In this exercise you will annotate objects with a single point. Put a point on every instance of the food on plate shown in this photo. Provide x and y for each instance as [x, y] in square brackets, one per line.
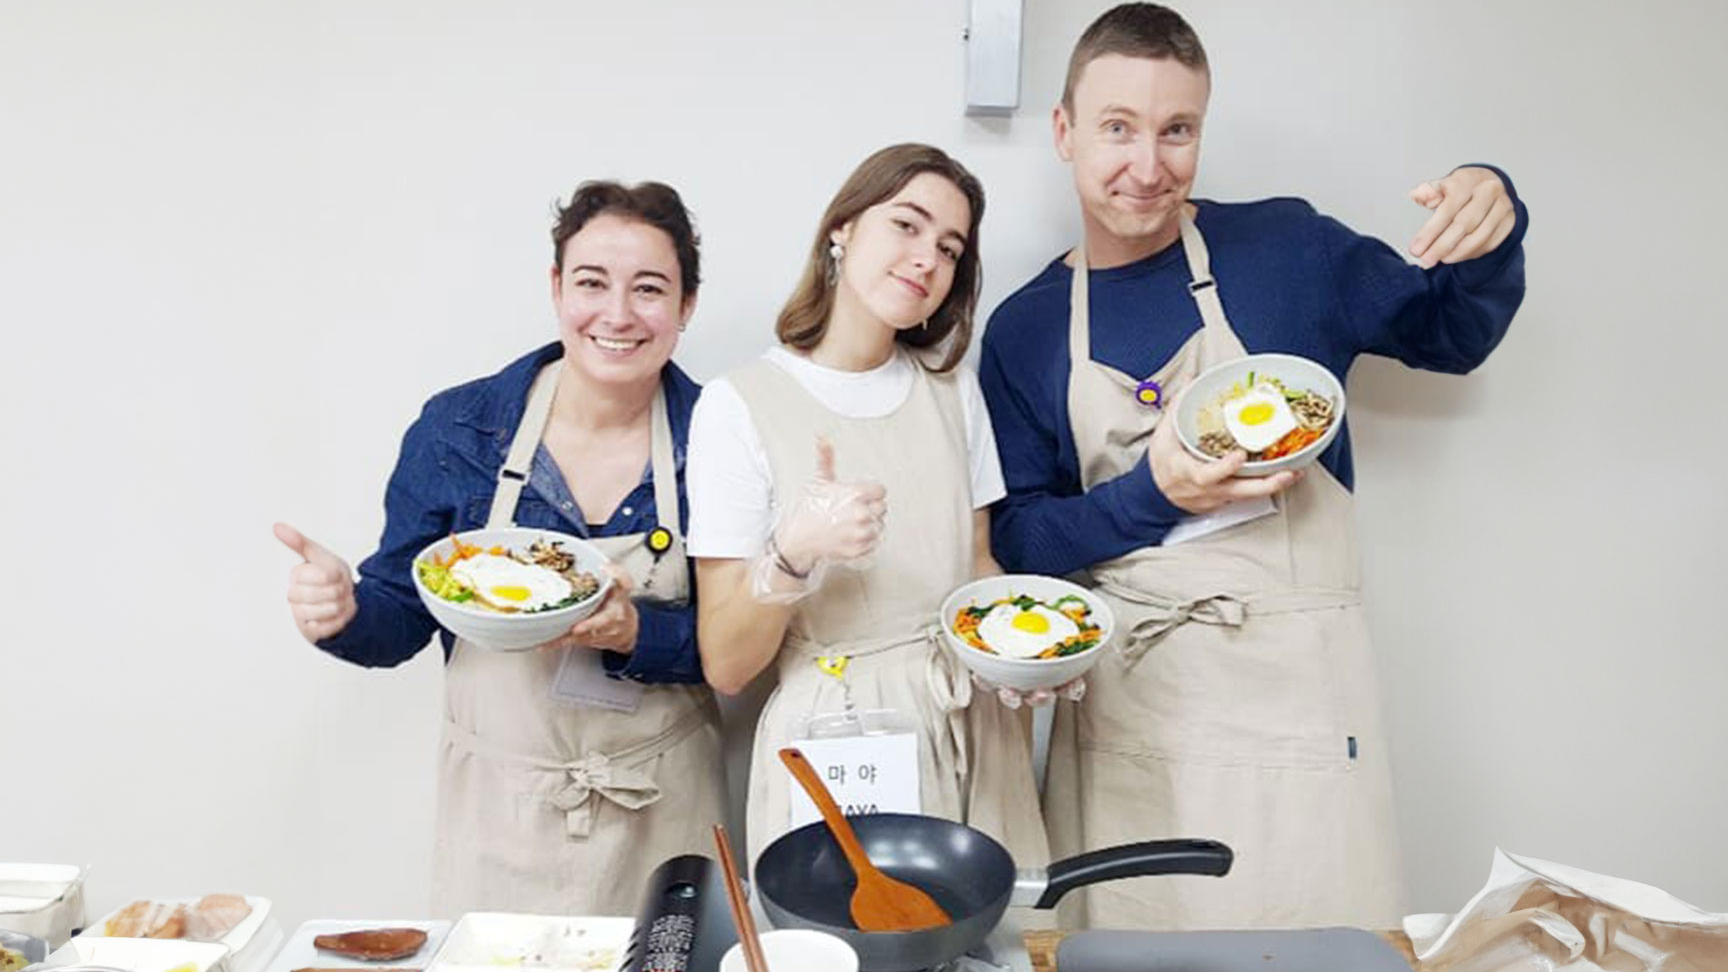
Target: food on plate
[373, 944]
[206, 920]
[1020, 626]
[350, 968]
[1263, 418]
[214, 916]
[11, 961]
[147, 919]
[542, 578]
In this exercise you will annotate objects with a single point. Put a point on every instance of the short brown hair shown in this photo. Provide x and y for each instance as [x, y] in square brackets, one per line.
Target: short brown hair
[804, 319]
[1134, 30]
[653, 203]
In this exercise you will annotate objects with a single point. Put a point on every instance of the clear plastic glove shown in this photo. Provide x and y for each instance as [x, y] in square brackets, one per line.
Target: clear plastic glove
[830, 523]
[1014, 698]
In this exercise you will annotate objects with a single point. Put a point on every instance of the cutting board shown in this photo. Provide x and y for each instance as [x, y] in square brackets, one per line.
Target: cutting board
[1304, 950]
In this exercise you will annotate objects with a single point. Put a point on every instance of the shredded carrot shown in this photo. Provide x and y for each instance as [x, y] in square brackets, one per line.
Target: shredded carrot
[1294, 441]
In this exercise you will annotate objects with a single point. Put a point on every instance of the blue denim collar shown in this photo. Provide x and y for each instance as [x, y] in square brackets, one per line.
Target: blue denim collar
[493, 406]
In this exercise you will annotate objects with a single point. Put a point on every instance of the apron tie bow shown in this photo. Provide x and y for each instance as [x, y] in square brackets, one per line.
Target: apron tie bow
[593, 774]
[1226, 610]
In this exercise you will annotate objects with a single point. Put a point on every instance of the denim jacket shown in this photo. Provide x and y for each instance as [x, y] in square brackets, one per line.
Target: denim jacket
[443, 482]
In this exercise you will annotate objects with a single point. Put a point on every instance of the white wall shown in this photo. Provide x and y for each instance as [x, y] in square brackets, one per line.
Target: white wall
[241, 243]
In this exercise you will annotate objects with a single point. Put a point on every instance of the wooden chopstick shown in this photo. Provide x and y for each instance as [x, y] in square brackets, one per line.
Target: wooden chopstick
[753, 958]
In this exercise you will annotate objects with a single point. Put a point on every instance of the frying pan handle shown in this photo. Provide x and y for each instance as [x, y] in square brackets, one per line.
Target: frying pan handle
[1148, 857]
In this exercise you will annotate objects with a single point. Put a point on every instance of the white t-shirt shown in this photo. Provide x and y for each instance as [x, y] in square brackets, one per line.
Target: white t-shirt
[726, 473]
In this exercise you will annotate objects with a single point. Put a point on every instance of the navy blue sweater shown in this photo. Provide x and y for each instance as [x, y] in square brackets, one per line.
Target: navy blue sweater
[1290, 279]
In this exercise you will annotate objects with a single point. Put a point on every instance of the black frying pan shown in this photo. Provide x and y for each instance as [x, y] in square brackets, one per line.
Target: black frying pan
[805, 882]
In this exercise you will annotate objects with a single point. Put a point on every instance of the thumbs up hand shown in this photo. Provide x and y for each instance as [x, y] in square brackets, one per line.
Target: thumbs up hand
[320, 587]
[829, 522]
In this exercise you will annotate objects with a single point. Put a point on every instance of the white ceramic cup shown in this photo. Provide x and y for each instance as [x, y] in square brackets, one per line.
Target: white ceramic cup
[796, 950]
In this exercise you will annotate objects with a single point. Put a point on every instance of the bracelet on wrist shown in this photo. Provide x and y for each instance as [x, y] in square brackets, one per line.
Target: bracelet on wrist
[781, 563]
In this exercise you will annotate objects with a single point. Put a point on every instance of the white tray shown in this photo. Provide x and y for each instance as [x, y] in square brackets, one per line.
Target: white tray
[300, 953]
[249, 943]
[29, 887]
[140, 954]
[44, 900]
[486, 941]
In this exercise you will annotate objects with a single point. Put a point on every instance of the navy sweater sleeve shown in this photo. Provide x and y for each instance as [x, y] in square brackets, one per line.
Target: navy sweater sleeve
[1448, 318]
[1047, 523]
[392, 625]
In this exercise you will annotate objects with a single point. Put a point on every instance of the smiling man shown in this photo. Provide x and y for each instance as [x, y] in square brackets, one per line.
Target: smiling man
[1241, 704]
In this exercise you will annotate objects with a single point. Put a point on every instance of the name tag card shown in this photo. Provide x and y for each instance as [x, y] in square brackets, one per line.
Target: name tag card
[582, 681]
[866, 774]
[1222, 518]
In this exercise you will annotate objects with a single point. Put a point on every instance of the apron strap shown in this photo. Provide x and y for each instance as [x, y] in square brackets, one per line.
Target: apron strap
[1201, 287]
[1158, 615]
[810, 648]
[665, 468]
[513, 475]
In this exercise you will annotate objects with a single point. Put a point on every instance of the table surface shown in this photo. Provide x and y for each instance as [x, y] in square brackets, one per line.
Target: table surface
[1041, 947]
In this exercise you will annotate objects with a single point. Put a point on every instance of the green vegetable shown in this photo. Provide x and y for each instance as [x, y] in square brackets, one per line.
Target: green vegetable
[572, 599]
[439, 581]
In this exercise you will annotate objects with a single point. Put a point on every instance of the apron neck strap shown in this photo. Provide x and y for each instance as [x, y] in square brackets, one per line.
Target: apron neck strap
[665, 468]
[1201, 287]
[513, 475]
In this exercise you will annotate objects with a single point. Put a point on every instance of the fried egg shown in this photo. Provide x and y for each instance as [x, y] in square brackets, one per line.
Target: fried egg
[1025, 633]
[510, 585]
[1259, 418]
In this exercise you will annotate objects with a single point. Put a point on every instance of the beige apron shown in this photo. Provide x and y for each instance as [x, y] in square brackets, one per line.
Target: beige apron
[973, 754]
[1241, 702]
[551, 809]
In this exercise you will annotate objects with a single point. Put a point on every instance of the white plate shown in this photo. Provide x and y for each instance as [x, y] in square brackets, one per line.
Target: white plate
[237, 938]
[484, 941]
[300, 953]
[140, 954]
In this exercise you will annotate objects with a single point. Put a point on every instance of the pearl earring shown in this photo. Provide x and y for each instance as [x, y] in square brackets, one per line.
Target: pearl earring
[835, 253]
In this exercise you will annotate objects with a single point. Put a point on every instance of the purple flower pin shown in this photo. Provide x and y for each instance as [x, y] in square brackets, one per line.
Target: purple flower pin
[1149, 393]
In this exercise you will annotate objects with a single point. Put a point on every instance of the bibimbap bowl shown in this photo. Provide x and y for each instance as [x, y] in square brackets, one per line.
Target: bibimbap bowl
[499, 589]
[1026, 631]
[1288, 408]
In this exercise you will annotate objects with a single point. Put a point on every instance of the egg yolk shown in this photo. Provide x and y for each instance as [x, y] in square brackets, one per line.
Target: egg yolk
[1031, 622]
[1258, 413]
[507, 593]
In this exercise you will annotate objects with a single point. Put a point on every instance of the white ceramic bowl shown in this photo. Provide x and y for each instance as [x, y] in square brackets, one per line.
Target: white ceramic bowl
[1025, 674]
[513, 632]
[1293, 371]
[796, 950]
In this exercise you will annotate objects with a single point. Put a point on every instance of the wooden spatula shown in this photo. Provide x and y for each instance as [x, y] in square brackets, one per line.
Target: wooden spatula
[880, 903]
